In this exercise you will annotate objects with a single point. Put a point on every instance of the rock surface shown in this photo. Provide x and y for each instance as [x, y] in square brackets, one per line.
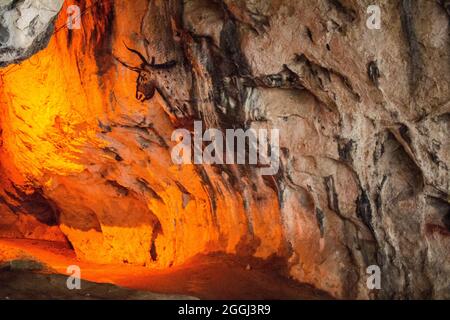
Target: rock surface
[23, 285]
[364, 124]
[216, 276]
[25, 27]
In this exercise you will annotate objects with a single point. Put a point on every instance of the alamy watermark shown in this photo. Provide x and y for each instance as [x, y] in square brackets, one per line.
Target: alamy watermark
[373, 22]
[254, 146]
[73, 17]
[73, 282]
[374, 277]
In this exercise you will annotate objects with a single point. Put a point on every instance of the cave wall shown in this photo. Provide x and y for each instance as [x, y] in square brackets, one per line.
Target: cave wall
[25, 27]
[363, 117]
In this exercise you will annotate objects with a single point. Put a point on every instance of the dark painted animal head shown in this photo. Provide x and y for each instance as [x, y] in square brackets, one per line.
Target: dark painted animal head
[146, 83]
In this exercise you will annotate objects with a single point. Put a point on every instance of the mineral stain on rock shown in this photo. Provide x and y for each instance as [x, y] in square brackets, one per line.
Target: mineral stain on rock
[4, 34]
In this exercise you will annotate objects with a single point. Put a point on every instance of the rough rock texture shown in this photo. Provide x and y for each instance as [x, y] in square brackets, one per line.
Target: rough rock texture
[216, 276]
[23, 285]
[363, 117]
[25, 27]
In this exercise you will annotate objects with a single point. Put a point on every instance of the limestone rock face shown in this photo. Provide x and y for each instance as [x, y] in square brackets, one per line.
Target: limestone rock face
[25, 27]
[363, 116]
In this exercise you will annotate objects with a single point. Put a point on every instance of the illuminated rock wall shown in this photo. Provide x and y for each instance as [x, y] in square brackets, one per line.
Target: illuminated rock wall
[363, 119]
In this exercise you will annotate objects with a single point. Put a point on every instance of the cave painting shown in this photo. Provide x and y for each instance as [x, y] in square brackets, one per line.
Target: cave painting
[146, 83]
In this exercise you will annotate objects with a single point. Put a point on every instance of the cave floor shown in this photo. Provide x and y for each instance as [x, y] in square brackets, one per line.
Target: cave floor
[38, 271]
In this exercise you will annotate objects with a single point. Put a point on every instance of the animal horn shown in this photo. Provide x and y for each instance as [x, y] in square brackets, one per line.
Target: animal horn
[135, 69]
[140, 55]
